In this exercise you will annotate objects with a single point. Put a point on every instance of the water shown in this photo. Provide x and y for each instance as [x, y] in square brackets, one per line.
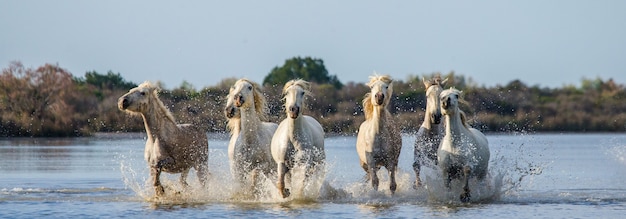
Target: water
[531, 175]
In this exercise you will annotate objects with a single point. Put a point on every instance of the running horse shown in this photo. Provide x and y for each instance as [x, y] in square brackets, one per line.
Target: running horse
[170, 147]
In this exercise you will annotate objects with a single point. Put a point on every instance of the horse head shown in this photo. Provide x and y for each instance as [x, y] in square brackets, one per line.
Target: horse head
[247, 94]
[434, 87]
[230, 110]
[380, 89]
[138, 99]
[450, 101]
[294, 92]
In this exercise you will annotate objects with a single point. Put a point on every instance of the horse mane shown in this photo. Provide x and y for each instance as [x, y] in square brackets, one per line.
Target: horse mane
[305, 85]
[260, 104]
[385, 78]
[154, 93]
[434, 81]
[368, 107]
[463, 118]
[233, 125]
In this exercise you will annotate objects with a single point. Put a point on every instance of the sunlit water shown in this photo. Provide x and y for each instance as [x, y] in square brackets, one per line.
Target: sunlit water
[531, 175]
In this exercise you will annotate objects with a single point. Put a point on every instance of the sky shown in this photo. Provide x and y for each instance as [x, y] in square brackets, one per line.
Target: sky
[545, 43]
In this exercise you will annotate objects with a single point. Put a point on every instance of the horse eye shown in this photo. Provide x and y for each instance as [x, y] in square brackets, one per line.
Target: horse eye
[142, 93]
[302, 93]
[249, 87]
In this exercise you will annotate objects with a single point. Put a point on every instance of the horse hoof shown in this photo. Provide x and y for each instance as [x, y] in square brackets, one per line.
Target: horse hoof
[285, 193]
[465, 197]
[159, 190]
[417, 185]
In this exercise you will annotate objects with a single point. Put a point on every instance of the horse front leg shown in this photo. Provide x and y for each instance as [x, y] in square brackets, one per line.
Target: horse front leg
[373, 176]
[392, 179]
[155, 172]
[202, 171]
[465, 196]
[282, 171]
[416, 168]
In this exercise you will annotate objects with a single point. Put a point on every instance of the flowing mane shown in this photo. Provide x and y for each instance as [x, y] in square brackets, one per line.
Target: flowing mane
[260, 104]
[154, 96]
[434, 81]
[368, 108]
[305, 85]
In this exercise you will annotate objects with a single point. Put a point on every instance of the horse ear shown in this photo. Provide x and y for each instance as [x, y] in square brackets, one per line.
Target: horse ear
[426, 83]
[443, 82]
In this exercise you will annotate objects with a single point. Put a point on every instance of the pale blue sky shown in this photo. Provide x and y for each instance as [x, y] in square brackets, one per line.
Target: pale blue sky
[546, 43]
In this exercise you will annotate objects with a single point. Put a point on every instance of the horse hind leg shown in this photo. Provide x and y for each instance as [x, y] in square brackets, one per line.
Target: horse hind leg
[465, 196]
[155, 172]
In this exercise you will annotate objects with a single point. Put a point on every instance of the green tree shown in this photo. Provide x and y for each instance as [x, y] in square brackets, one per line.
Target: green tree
[306, 68]
[109, 81]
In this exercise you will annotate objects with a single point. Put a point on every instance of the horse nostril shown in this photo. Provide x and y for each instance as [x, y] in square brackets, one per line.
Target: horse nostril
[380, 97]
[238, 100]
[437, 118]
[125, 103]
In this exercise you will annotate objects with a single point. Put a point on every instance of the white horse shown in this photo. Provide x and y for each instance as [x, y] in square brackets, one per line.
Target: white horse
[299, 139]
[379, 142]
[430, 133]
[249, 147]
[170, 147]
[464, 151]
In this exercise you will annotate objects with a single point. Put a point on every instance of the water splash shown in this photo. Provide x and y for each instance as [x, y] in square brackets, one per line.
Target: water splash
[510, 170]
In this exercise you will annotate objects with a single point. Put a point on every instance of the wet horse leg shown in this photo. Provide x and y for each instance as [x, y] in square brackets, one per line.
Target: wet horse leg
[373, 176]
[202, 171]
[282, 171]
[392, 179]
[155, 172]
[465, 196]
[183, 178]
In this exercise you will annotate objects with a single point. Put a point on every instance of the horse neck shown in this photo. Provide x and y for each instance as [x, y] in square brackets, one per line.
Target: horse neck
[157, 121]
[295, 124]
[432, 129]
[379, 117]
[249, 123]
[454, 126]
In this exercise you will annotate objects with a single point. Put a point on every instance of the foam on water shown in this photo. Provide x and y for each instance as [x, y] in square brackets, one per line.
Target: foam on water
[506, 175]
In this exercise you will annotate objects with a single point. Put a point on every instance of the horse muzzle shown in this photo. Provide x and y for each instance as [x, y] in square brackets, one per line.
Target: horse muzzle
[380, 98]
[445, 103]
[436, 118]
[229, 112]
[293, 112]
[239, 100]
[123, 103]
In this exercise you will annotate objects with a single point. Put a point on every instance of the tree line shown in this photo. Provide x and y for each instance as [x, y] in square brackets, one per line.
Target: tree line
[50, 101]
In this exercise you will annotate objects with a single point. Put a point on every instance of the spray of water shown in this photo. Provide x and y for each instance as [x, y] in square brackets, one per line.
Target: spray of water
[507, 175]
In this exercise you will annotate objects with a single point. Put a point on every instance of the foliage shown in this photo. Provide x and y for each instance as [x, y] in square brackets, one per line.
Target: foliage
[48, 101]
[307, 68]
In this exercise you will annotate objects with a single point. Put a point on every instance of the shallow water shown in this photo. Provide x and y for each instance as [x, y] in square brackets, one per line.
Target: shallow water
[531, 175]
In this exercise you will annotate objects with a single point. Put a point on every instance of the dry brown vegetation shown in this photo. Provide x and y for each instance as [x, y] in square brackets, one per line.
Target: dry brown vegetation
[49, 101]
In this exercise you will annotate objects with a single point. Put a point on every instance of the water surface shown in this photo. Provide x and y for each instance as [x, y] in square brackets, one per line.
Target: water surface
[531, 175]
